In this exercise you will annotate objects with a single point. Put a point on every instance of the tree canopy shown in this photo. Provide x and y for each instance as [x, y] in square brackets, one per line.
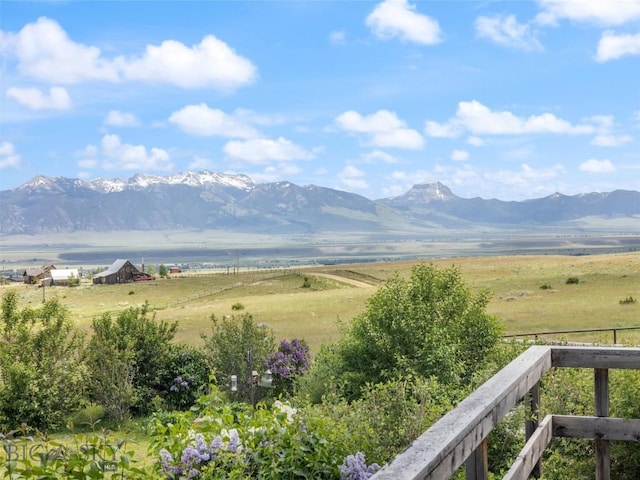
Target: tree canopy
[430, 325]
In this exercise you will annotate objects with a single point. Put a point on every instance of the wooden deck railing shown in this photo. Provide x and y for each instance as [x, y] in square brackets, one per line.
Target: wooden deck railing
[460, 437]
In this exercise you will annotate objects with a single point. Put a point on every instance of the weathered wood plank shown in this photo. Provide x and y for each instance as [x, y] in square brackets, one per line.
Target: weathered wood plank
[603, 459]
[603, 451]
[595, 357]
[605, 428]
[477, 465]
[442, 449]
[601, 387]
[532, 451]
[533, 420]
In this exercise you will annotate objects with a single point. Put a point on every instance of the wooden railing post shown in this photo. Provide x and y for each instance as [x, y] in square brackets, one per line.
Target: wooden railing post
[477, 465]
[533, 420]
[603, 460]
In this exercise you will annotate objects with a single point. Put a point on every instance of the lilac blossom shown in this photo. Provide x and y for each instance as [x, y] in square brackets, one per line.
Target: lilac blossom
[234, 441]
[190, 456]
[202, 448]
[168, 468]
[289, 362]
[355, 468]
[179, 383]
[215, 446]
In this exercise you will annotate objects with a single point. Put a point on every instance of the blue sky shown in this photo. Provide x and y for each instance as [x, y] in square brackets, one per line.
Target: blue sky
[508, 100]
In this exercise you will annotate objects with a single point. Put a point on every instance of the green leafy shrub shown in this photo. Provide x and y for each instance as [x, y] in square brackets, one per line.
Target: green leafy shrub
[625, 395]
[237, 346]
[42, 374]
[429, 325]
[546, 286]
[184, 377]
[126, 357]
[325, 377]
[387, 417]
[237, 306]
[572, 281]
[163, 271]
[628, 300]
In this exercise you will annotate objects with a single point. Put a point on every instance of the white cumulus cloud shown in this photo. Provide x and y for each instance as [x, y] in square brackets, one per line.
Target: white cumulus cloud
[115, 155]
[202, 120]
[599, 12]
[265, 150]
[275, 173]
[8, 155]
[479, 119]
[441, 130]
[36, 99]
[507, 31]
[526, 177]
[116, 118]
[476, 141]
[378, 156]
[609, 140]
[352, 177]
[201, 163]
[211, 63]
[460, 155]
[384, 128]
[45, 51]
[594, 165]
[398, 18]
[612, 46]
[605, 136]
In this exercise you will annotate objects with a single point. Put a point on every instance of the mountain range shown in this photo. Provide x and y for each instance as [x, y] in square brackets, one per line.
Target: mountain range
[209, 200]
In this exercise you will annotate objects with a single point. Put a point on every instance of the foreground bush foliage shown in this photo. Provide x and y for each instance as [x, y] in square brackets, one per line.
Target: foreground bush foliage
[127, 356]
[42, 375]
[84, 456]
[237, 346]
[430, 325]
[222, 440]
[184, 376]
[387, 417]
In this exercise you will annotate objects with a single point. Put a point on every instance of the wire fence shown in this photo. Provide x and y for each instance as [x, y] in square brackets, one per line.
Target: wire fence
[613, 330]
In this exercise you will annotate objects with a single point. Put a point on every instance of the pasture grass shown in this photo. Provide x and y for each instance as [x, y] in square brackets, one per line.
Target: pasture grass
[278, 298]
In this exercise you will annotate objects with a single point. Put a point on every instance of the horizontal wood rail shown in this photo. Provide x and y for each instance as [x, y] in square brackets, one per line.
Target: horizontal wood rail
[460, 437]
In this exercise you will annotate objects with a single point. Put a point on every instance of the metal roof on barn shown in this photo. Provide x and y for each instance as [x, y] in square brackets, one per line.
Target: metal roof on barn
[114, 268]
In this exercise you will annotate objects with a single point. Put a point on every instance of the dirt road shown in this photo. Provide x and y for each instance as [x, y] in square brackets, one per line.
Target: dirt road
[350, 281]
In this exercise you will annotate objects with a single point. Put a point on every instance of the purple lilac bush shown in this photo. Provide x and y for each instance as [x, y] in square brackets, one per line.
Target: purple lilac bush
[290, 361]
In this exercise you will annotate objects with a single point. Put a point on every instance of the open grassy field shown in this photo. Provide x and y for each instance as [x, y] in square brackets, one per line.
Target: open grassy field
[278, 299]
